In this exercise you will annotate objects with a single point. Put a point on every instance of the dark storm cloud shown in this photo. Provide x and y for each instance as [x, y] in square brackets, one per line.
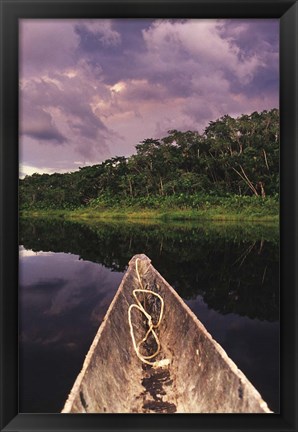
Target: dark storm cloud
[252, 35]
[119, 60]
[38, 124]
[68, 102]
[46, 135]
[101, 86]
[261, 38]
[249, 63]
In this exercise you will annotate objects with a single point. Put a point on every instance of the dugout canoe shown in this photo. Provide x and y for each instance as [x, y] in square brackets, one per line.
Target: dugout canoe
[192, 373]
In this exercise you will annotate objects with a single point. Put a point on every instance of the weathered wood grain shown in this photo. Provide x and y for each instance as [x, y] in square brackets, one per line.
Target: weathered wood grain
[200, 378]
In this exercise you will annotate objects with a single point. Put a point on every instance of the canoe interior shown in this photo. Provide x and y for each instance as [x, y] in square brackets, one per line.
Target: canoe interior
[200, 378]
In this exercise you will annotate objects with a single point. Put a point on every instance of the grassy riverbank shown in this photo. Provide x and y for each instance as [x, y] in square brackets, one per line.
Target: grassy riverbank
[233, 208]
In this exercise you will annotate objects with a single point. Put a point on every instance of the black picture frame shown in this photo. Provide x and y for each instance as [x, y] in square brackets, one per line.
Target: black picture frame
[11, 11]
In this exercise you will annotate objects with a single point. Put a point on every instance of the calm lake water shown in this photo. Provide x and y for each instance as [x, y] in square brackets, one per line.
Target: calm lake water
[69, 272]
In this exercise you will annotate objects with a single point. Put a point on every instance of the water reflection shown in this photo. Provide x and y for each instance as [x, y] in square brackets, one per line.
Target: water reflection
[69, 273]
[235, 268]
[62, 302]
[59, 283]
[252, 344]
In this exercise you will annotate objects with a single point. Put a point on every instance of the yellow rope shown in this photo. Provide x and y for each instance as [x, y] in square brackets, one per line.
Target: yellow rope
[151, 326]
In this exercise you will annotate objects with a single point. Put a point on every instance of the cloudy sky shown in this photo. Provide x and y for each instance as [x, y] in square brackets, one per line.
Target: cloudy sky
[93, 89]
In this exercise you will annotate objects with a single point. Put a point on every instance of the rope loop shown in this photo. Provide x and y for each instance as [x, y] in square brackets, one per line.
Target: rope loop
[151, 326]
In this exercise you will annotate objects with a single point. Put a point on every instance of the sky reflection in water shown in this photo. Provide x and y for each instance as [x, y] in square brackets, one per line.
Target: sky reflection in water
[62, 302]
[63, 299]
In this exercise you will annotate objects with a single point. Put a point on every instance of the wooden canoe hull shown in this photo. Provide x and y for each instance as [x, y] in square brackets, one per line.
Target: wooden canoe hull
[200, 378]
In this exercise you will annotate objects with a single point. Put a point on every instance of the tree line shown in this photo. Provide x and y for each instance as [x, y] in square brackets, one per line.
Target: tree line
[233, 156]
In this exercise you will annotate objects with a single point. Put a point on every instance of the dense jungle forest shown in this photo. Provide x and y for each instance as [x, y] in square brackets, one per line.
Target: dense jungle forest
[232, 158]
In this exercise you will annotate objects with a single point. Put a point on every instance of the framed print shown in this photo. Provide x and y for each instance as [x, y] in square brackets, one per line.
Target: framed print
[148, 215]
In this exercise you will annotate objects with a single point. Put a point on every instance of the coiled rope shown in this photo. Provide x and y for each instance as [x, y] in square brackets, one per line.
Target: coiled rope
[140, 307]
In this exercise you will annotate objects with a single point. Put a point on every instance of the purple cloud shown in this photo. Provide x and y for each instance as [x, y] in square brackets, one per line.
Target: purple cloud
[98, 87]
[38, 124]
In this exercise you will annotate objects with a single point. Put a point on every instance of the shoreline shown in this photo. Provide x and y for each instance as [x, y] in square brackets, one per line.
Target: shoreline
[126, 214]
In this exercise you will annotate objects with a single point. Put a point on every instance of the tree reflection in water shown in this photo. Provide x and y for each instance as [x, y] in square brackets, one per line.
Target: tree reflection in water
[235, 268]
[228, 274]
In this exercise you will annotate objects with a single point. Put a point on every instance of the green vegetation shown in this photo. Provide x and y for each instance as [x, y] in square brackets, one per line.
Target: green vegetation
[231, 171]
[175, 208]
